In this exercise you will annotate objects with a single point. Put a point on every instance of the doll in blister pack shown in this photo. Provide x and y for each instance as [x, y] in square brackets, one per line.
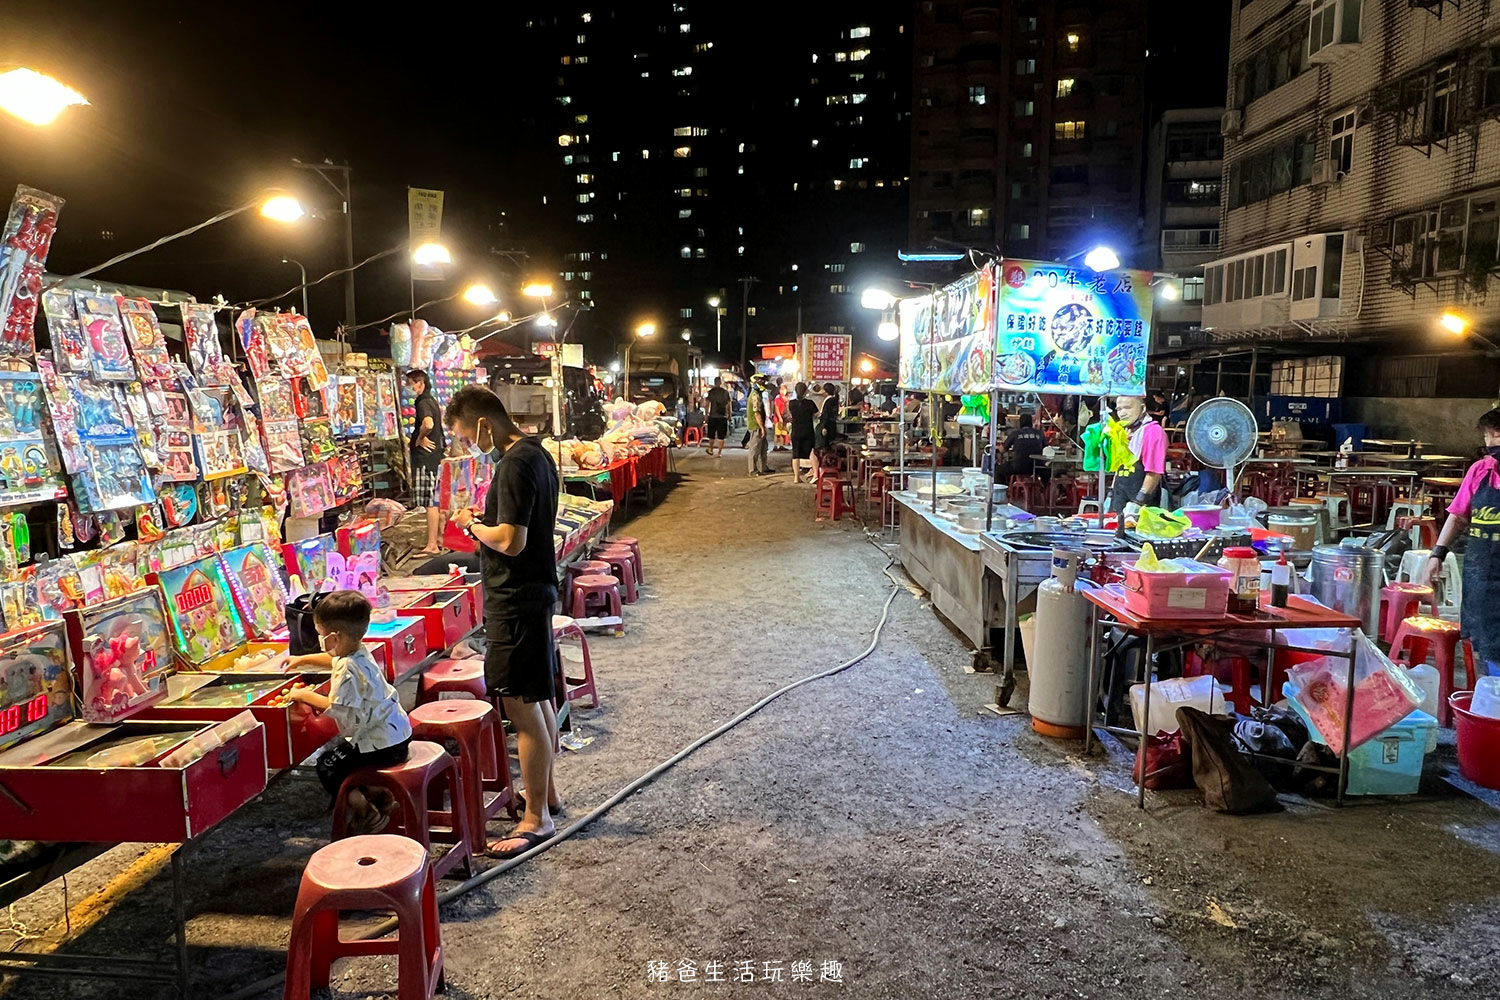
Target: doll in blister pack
[96, 408]
[144, 335]
[109, 355]
[20, 406]
[24, 243]
[69, 345]
[253, 339]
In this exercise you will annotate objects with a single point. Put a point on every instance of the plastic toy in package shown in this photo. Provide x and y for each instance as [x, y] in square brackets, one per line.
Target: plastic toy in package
[24, 243]
[143, 333]
[98, 409]
[283, 445]
[317, 440]
[142, 422]
[69, 345]
[280, 333]
[109, 355]
[311, 490]
[255, 452]
[179, 505]
[126, 656]
[114, 476]
[276, 399]
[205, 354]
[28, 469]
[252, 334]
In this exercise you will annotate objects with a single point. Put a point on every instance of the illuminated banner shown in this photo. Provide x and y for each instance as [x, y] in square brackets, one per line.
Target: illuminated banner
[962, 344]
[826, 356]
[914, 363]
[1071, 330]
[424, 224]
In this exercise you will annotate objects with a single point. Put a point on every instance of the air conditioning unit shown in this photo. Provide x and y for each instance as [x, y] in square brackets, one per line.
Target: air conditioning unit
[1324, 174]
[1232, 123]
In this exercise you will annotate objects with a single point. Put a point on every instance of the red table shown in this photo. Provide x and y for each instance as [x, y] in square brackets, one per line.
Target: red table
[1165, 634]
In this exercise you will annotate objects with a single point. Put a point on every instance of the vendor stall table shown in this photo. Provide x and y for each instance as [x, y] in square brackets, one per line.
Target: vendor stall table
[626, 474]
[1394, 443]
[899, 477]
[948, 564]
[1166, 634]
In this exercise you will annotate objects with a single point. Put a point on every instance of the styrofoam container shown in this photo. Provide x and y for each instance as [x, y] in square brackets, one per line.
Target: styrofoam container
[1202, 591]
[1168, 696]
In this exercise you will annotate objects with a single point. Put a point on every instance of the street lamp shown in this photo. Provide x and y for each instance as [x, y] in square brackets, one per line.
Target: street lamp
[687, 334]
[644, 330]
[303, 272]
[538, 290]
[35, 98]
[431, 255]
[1101, 258]
[878, 299]
[714, 302]
[480, 295]
[866, 365]
[1454, 323]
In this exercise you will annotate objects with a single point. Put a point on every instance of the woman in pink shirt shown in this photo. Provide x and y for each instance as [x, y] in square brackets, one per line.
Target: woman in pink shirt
[1148, 444]
[1477, 505]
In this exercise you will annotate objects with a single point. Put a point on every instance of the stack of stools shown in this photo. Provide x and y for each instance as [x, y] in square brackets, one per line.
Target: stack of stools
[621, 561]
[634, 546]
[835, 495]
[1399, 601]
[596, 594]
[583, 567]
[1410, 647]
[366, 873]
[419, 785]
[566, 629]
[483, 761]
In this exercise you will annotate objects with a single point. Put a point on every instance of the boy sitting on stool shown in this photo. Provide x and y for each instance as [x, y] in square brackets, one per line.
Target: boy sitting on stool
[373, 728]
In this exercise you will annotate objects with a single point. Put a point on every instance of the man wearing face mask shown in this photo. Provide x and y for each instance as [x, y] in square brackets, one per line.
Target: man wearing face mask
[1476, 506]
[1148, 446]
[519, 570]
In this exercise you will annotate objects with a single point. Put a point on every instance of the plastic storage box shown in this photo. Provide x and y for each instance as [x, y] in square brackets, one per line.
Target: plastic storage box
[1200, 592]
[1391, 762]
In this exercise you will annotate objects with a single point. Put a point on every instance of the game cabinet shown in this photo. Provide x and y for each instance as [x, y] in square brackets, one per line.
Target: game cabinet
[449, 614]
[294, 732]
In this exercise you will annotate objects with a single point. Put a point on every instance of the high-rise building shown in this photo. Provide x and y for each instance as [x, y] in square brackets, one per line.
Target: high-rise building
[1184, 164]
[1028, 125]
[688, 147]
[1362, 199]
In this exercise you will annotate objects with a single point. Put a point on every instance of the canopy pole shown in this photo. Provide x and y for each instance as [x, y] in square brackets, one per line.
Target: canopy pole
[989, 497]
[935, 414]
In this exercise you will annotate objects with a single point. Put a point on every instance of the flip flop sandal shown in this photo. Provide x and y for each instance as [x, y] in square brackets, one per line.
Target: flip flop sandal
[530, 840]
[520, 802]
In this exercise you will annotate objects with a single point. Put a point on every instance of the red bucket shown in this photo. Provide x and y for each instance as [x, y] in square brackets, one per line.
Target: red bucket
[1478, 742]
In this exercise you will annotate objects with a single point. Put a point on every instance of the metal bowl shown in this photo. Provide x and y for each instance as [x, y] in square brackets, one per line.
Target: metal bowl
[1097, 541]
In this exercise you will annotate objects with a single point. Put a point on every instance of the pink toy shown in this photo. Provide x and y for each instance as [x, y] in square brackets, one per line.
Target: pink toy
[117, 674]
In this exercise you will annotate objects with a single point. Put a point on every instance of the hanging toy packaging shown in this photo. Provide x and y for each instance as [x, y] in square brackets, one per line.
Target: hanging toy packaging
[109, 357]
[69, 346]
[24, 243]
[205, 356]
[143, 333]
[27, 472]
[253, 341]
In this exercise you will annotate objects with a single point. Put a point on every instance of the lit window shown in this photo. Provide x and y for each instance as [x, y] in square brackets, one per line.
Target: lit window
[683, 29]
[740, 251]
[586, 16]
[585, 197]
[834, 268]
[585, 178]
[645, 154]
[1025, 67]
[741, 169]
[837, 99]
[838, 185]
[703, 46]
[683, 71]
[685, 313]
[699, 130]
[686, 252]
[567, 275]
[615, 157]
[856, 248]
[586, 217]
[1026, 150]
[1073, 40]
[795, 266]
[700, 171]
[742, 147]
[837, 57]
[684, 213]
[1068, 130]
[684, 192]
[856, 162]
[565, 100]
[978, 95]
[585, 294]
[839, 289]
[683, 130]
[700, 253]
[1025, 109]
[682, 152]
[586, 275]
[979, 217]
[1020, 231]
[863, 31]
[815, 144]
[582, 39]
[565, 140]
[859, 54]
[568, 160]
[1341, 143]
[580, 60]
[858, 99]
[1065, 86]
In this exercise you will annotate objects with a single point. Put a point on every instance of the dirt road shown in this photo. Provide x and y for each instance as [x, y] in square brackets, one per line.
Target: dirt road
[877, 825]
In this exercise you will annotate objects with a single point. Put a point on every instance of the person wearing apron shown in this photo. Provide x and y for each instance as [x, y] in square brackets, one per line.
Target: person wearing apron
[1148, 446]
[1477, 505]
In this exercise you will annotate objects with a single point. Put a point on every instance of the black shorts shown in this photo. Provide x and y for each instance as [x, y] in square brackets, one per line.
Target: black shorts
[342, 759]
[802, 447]
[718, 428]
[518, 656]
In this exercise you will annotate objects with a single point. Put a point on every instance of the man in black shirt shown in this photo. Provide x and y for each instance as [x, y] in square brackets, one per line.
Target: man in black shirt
[718, 418]
[519, 568]
[1024, 445]
[802, 413]
[427, 450]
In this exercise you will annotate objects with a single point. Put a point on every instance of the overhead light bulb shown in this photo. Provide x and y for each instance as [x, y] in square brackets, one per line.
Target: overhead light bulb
[1454, 323]
[877, 298]
[888, 330]
[36, 98]
[282, 208]
[431, 254]
[1101, 259]
[480, 295]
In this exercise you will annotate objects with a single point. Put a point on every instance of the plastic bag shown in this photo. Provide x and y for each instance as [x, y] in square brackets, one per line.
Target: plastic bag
[1168, 696]
[1159, 523]
[1384, 694]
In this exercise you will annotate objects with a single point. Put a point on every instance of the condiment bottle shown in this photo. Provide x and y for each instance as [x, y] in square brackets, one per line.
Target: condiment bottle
[1281, 582]
[1244, 589]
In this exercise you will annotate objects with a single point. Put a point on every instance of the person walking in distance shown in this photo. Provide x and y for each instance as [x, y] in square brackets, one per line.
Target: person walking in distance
[801, 413]
[717, 421]
[758, 423]
[518, 566]
[427, 450]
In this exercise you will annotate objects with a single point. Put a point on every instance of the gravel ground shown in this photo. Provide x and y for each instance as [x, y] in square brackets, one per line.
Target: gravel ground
[879, 818]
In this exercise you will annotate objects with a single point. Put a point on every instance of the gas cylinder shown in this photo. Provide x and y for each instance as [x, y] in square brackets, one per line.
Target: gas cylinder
[1058, 701]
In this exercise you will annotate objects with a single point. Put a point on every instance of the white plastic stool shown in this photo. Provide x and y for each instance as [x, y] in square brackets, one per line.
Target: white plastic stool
[1448, 588]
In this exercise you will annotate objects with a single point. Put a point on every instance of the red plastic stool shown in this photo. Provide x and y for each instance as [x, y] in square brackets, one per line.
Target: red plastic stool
[419, 785]
[1026, 492]
[578, 688]
[599, 592]
[1410, 648]
[833, 488]
[1427, 526]
[582, 567]
[877, 486]
[483, 759]
[691, 436]
[452, 676]
[1398, 601]
[635, 547]
[620, 564]
[366, 873]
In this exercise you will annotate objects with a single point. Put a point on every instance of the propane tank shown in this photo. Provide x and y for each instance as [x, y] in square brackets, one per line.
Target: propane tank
[1058, 702]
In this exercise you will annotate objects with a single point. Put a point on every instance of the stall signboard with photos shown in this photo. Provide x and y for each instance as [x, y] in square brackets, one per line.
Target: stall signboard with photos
[1071, 330]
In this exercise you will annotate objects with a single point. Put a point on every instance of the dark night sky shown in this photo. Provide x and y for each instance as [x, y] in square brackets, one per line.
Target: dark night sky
[195, 110]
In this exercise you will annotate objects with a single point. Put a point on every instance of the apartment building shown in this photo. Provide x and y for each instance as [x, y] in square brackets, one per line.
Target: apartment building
[1361, 189]
[1184, 165]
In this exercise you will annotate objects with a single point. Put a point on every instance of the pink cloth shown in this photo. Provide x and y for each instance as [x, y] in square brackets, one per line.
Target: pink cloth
[1148, 443]
[1463, 500]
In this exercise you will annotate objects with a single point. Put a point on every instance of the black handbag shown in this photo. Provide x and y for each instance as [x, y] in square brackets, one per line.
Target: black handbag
[302, 636]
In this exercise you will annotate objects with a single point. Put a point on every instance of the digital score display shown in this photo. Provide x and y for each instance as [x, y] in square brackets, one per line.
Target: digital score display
[13, 717]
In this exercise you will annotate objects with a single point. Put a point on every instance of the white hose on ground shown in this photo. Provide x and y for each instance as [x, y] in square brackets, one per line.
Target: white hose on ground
[463, 888]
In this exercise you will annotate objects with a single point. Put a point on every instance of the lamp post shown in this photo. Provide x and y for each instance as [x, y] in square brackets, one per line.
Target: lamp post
[714, 302]
[643, 331]
[343, 190]
[543, 290]
[303, 272]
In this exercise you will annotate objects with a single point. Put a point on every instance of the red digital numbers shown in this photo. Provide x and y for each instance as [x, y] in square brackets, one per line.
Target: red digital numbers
[13, 717]
[194, 597]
